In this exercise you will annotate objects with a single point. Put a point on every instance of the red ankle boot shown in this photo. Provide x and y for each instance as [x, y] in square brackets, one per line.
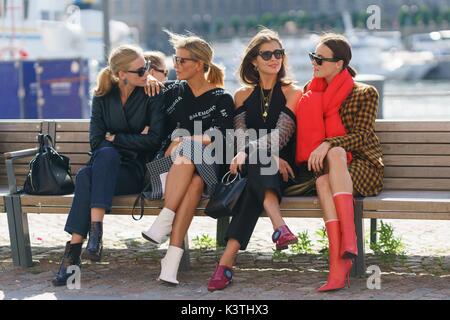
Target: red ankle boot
[222, 278]
[344, 204]
[283, 237]
[339, 268]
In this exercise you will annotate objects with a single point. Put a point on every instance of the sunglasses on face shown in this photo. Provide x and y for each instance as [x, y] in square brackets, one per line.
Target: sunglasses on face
[164, 72]
[141, 71]
[319, 60]
[179, 60]
[267, 55]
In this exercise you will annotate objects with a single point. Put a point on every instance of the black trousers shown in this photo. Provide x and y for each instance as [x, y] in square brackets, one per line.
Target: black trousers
[105, 177]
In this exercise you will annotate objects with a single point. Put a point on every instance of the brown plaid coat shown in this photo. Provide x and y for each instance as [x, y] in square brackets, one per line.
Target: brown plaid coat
[358, 114]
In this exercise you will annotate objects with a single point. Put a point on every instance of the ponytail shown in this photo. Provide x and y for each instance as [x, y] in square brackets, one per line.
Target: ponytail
[352, 71]
[105, 82]
[216, 75]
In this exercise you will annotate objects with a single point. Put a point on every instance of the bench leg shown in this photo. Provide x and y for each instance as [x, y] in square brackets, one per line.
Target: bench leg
[359, 266]
[373, 231]
[18, 231]
[185, 263]
[222, 227]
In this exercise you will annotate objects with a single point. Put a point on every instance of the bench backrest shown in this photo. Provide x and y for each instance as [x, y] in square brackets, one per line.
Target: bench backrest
[18, 135]
[416, 154]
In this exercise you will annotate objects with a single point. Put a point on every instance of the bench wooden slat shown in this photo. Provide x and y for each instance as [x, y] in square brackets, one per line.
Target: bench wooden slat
[423, 201]
[18, 137]
[80, 125]
[73, 147]
[72, 137]
[14, 146]
[408, 137]
[28, 126]
[406, 215]
[409, 160]
[416, 184]
[416, 149]
[417, 172]
[411, 126]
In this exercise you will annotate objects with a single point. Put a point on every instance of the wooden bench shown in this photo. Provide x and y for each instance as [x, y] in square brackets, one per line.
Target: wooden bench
[417, 162]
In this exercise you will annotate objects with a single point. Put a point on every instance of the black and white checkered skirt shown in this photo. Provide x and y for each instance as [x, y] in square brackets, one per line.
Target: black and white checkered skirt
[198, 153]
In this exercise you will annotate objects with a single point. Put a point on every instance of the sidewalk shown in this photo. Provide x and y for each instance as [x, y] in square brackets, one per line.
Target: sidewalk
[131, 265]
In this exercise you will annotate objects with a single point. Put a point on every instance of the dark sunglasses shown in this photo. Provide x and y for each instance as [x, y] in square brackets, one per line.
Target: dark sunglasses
[267, 55]
[180, 60]
[165, 72]
[319, 60]
[141, 71]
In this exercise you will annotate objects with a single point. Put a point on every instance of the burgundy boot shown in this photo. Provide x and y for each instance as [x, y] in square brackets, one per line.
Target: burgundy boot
[222, 278]
[283, 237]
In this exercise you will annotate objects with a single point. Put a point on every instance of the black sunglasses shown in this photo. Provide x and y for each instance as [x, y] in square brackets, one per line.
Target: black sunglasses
[267, 55]
[319, 60]
[179, 60]
[141, 71]
[165, 72]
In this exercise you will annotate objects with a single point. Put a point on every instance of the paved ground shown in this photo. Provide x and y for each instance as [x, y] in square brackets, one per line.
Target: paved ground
[130, 265]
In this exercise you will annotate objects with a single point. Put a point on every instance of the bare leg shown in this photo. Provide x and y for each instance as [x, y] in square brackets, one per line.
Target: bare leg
[326, 198]
[76, 238]
[229, 255]
[272, 207]
[186, 211]
[340, 180]
[97, 214]
[178, 182]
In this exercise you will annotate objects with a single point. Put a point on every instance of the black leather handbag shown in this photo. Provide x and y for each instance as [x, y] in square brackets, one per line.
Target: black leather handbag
[49, 172]
[225, 196]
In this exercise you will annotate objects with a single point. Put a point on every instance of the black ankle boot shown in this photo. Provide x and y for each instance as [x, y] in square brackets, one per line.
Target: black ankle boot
[95, 244]
[71, 258]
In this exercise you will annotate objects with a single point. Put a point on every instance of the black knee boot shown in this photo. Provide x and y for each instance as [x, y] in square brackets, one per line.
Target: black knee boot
[95, 244]
[71, 258]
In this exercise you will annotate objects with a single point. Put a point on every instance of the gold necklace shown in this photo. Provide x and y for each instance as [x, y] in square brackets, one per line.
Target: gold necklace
[265, 103]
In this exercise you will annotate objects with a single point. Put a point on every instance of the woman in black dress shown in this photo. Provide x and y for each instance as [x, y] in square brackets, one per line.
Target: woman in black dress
[266, 102]
[196, 100]
[126, 131]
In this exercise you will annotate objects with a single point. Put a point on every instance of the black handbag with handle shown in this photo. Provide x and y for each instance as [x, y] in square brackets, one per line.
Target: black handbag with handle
[225, 196]
[49, 172]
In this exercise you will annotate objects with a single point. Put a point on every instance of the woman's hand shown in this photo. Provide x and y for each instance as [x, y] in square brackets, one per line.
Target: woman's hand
[317, 157]
[285, 169]
[237, 162]
[173, 146]
[146, 130]
[110, 137]
[153, 86]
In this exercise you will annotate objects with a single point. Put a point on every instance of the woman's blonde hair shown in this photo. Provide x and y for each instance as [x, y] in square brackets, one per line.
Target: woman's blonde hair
[202, 51]
[119, 60]
[247, 71]
[156, 58]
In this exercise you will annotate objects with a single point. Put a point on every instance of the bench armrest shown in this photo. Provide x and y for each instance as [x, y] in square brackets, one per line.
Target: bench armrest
[10, 157]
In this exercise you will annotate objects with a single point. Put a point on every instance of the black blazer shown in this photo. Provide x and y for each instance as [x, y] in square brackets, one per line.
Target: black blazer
[127, 122]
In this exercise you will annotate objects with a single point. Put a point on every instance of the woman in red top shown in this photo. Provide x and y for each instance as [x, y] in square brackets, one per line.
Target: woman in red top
[336, 138]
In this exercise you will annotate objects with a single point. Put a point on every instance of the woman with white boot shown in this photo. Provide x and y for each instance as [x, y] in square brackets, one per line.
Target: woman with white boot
[197, 96]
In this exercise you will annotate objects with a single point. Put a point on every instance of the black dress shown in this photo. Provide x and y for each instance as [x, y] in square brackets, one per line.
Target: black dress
[250, 116]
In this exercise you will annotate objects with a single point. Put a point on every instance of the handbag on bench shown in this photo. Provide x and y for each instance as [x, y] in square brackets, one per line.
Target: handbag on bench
[49, 172]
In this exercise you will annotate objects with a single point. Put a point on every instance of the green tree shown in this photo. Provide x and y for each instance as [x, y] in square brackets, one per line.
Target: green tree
[267, 19]
[251, 23]
[235, 22]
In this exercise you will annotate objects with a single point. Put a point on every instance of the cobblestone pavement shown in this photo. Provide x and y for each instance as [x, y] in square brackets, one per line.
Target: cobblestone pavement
[131, 265]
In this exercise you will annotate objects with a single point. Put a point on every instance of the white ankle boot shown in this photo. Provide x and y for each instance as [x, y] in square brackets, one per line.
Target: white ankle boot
[160, 230]
[170, 264]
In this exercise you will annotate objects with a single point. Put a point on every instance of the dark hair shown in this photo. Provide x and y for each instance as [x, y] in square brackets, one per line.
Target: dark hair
[341, 49]
[247, 71]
